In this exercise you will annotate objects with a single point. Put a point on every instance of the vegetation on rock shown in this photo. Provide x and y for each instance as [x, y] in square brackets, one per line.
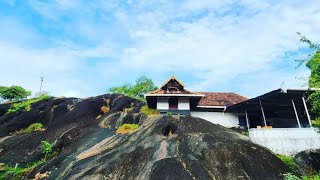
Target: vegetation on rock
[13, 93]
[46, 148]
[290, 176]
[127, 128]
[32, 128]
[142, 86]
[289, 161]
[26, 104]
[148, 111]
[10, 172]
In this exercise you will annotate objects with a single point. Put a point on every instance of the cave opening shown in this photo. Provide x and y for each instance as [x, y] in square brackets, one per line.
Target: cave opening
[169, 130]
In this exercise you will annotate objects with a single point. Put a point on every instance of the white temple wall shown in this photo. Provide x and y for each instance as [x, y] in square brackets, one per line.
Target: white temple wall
[287, 141]
[183, 104]
[224, 119]
[162, 103]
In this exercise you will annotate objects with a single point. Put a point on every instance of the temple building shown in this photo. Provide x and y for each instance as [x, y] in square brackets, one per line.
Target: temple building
[173, 98]
[278, 120]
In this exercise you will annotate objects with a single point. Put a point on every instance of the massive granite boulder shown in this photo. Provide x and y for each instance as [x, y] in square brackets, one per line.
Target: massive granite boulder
[163, 147]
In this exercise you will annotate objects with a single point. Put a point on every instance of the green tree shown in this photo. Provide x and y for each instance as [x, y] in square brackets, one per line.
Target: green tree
[313, 63]
[14, 93]
[46, 148]
[142, 86]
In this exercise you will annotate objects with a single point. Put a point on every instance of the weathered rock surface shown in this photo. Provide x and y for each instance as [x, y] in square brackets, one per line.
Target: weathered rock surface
[308, 162]
[164, 147]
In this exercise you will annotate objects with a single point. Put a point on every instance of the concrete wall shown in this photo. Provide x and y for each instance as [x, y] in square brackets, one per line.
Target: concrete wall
[226, 119]
[286, 141]
[183, 104]
[162, 103]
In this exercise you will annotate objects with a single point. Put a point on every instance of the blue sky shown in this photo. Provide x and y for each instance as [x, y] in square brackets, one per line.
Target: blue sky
[82, 48]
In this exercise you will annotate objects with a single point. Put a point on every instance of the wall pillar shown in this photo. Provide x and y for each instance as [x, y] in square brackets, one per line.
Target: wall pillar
[247, 119]
[263, 115]
[295, 111]
[306, 109]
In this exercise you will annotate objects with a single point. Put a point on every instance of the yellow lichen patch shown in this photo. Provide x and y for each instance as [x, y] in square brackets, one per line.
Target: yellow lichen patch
[40, 176]
[128, 110]
[127, 128]
[104, 109]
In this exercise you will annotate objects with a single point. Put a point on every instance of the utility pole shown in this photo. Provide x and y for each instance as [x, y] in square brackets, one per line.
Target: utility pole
[41, 83]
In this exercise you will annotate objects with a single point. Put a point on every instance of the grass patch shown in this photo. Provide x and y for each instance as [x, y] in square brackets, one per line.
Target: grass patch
[32, 128]
[10, 172]
[26, 105]
[148, 111]
[289, 161]
[126, 128]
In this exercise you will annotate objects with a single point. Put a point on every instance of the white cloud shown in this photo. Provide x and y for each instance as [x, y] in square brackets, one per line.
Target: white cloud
[209, 42]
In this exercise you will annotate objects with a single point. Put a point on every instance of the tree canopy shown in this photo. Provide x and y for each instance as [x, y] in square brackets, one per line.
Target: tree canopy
[313, 63]
[13, 93]
[142, 86]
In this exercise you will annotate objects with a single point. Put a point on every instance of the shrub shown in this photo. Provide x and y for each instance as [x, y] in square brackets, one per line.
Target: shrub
[148, 111]
[126, 128]
[105, 109]
[46, 148]
[32, 128]
[169, 113]
[289, 161]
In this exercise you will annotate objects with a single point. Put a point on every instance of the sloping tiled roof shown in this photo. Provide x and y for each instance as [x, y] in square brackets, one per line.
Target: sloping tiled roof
[220, 99]
[209, 99]
[172, 78]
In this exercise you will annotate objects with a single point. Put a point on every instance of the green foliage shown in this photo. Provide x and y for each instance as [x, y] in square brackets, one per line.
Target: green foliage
[313, 63]
[126, 128]
[17, 173]
[290, 176]
[148, 111]
[46, 148]
[32, 128]
[289, 161]
[169, 114]
[14, 93]
[26, 104]
[142, 86]
[316, 123]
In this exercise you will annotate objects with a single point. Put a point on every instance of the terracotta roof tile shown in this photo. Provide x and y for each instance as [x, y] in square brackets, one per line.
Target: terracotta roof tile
[220, 99]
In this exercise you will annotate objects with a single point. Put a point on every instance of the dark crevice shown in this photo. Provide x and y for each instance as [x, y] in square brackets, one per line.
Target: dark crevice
[169, 130]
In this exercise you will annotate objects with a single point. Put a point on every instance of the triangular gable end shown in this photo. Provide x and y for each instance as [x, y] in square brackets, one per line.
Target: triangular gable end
[173, 85]
[173, 78]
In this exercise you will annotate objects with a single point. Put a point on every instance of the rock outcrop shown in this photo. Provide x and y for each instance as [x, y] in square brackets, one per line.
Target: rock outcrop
[308, 162]
[163, 147]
